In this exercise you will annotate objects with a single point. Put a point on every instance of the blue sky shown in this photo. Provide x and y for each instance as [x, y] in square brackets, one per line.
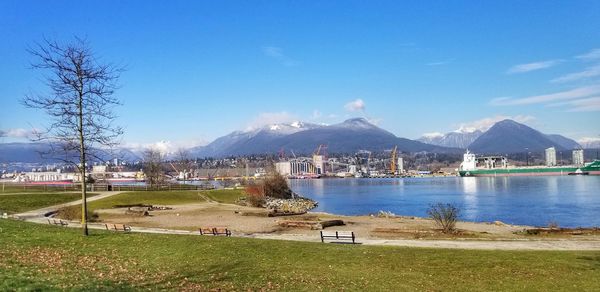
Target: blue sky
[200, 69]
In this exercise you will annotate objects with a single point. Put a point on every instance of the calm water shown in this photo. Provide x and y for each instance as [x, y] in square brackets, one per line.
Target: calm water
[570, 201]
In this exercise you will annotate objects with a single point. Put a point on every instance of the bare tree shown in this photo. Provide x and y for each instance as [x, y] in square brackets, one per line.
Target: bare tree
[153, 167]
[185, 163]
[80, 104]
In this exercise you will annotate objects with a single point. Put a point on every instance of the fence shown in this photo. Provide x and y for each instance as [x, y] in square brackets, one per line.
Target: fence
[23, 187]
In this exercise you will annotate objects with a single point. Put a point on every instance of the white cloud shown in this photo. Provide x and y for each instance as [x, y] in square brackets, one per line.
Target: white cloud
[522, 68]
[591, 104]
[591, 55]
[440, 63]
[264, 119]
[485, 123]
[17, 133]
[277, 54]
[576, 93]
[587, 73]
[357, 105]
[165, 147]
[588, 139]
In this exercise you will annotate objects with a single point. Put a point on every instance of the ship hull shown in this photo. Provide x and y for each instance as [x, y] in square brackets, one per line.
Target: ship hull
[526, 172]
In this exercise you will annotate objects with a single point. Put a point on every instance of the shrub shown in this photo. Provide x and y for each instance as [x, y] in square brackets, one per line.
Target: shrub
[445, 216]
[276, 186]
[254, 190]
[74, 213]
[256, 200]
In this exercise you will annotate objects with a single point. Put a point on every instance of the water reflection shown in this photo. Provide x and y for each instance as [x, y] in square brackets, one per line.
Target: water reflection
[470, 207]
[570, 201]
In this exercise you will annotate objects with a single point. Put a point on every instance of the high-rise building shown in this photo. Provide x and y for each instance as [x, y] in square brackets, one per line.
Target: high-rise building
[578, 157]
[551, 156]
[400, 165]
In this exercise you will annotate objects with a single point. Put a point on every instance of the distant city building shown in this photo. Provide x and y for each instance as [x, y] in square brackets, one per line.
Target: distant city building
[352, 169]
[98, 168]
[551, 156]
[284, 168]
[293, 167]
[400, 165]
[578, 157]
[319, 164]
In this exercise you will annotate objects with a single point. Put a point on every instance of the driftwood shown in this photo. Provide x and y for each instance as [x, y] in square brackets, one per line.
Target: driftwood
[256, 214]
[328, 223]
[313, 225]
[566, 231]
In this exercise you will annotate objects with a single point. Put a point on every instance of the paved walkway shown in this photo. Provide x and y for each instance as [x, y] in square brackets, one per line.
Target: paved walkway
[37, 216]
[39, 213]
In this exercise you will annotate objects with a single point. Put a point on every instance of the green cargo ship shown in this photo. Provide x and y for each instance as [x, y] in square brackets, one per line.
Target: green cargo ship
[498, 166]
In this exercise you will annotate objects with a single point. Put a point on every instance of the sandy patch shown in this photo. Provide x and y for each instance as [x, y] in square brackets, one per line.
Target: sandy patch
[193, 216]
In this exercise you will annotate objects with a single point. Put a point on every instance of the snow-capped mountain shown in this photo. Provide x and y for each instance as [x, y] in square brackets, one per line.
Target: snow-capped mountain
[348, 136]
[457, 139]
[589, 143]
[503, 137]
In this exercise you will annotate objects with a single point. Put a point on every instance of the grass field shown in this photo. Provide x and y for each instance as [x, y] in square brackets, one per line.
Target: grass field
[42, 257]
[166, 198]
[26, 202]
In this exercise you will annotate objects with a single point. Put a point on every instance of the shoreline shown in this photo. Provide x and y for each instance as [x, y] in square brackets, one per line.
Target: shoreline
[371, 230]
[252, 222]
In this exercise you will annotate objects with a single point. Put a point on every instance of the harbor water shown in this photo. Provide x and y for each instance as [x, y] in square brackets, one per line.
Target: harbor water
[569, 201]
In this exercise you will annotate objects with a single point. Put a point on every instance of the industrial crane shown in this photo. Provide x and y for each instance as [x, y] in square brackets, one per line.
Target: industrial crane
[393, 163]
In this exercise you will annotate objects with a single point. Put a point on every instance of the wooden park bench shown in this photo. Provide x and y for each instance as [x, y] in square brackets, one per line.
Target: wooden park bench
[53, 221]
[337, 235]
[215, 231]
[118, 227]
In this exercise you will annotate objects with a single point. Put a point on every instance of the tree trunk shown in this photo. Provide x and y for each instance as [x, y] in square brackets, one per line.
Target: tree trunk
[82, 169]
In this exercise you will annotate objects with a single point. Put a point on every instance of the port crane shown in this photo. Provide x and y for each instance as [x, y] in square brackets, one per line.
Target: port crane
[393, 163]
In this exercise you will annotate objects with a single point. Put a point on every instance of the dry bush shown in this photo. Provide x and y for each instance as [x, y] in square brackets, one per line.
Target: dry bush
[255, 195]
[445, 216]
[256, 200]
[276, 186]
[73, 213]
[254, 190]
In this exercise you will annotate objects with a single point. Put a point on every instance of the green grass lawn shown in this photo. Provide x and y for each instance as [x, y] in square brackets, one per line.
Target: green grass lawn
[224, 196]
[166, 198]
[43, 257]
[26, 202]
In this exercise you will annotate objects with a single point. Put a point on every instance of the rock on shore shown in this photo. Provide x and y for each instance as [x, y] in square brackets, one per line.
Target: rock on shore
[296, 205]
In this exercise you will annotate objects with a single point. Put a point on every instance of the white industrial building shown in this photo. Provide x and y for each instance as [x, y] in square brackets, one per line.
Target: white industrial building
[294, 167]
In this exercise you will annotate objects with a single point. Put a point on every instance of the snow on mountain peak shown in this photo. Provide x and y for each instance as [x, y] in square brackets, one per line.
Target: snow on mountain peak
[433, 135]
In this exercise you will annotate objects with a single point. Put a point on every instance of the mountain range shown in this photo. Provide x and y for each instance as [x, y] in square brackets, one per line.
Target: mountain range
[347, 137]
[350, 136]
[18, 152]
[506, 136]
